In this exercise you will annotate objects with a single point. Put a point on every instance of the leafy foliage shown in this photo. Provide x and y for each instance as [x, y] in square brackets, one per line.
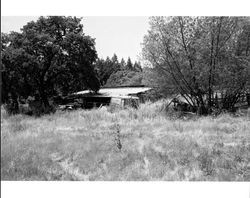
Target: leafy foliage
[106, 67]
[49, 57]
[111, 72]
[199, 56]
[125, 78]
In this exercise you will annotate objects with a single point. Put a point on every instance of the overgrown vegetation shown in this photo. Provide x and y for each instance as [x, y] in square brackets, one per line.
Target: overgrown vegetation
[204, 59]
[126, 144]
[113, 73]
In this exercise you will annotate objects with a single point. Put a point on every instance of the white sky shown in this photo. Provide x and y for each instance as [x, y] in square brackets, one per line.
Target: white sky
[120, 35]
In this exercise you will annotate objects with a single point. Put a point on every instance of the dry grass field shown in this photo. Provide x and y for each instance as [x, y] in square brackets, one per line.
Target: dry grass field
[132, 144]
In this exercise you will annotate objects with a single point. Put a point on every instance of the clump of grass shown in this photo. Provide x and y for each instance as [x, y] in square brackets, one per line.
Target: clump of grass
[16, 124]
[178, 126]
[116, 128]
[206, 163]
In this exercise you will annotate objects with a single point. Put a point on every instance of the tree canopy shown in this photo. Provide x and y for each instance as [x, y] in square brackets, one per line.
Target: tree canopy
[113, 73]
[199, 56]
[50, 56]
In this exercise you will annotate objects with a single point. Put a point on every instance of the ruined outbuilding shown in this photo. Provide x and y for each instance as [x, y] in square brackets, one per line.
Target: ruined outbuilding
[121, 96]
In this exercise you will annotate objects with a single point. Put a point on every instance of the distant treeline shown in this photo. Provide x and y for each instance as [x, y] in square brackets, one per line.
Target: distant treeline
[111, 72]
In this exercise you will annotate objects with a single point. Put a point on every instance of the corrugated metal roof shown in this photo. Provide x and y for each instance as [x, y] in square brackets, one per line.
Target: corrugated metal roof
[124, 91]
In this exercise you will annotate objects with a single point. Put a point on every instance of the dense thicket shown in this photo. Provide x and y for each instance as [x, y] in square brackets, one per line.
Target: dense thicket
[202, 58]
[113, 73]
[49, 57]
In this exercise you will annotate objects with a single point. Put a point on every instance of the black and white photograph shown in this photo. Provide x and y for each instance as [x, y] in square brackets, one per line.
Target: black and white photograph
[125, 98]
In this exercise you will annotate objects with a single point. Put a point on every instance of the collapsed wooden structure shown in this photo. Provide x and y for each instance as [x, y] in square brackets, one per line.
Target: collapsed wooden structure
[119, 96]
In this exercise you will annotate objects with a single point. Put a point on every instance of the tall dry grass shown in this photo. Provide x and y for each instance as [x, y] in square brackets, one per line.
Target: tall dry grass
[82, 145]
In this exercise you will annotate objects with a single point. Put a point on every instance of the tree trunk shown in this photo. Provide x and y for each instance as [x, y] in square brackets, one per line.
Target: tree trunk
[248, 99]
[45, 108]
[202, 110]
[44, 99]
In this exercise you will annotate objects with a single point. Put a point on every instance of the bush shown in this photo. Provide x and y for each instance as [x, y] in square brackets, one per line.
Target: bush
[12, 107]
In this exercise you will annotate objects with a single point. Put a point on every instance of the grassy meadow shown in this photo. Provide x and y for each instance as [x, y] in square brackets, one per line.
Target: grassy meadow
[126, 144]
